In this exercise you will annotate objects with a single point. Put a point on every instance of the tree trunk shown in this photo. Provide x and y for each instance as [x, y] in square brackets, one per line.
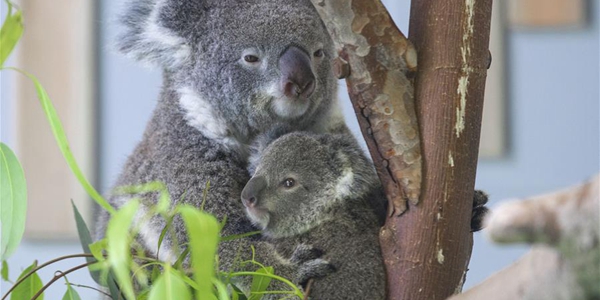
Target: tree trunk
[427, 245]
[427, 249]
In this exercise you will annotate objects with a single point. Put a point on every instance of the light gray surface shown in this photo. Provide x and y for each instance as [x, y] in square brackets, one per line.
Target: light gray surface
[553, 124]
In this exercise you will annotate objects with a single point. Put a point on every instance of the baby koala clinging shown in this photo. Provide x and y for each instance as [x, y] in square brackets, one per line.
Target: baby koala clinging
[322, 191]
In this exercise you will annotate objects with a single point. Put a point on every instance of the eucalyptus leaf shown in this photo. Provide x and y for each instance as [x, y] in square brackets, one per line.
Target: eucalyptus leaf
[119, 241]
[170, 286]
[237, 293]
[61, 140]
[13, 200]
[85, 239]
[163, 233]
[5, 271]
[96, 249]
[203, 231]
[221, 289]
[115, 292]
[239, 236]
[71, 294]
[260, 283]
[29, 287]
[11, 32]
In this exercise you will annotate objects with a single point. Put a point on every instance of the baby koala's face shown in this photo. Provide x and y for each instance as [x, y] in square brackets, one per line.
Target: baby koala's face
[292, 187]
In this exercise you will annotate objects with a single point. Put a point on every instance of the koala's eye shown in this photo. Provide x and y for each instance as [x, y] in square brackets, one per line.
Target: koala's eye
[289, 182]
[319, 53]
[251, 58]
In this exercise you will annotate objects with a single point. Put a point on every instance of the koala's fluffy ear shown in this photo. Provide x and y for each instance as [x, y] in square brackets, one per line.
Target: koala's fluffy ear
[261, 143]
[149, 36]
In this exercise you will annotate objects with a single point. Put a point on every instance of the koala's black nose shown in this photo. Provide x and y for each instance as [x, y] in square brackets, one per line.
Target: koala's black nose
[251, 191]
[297, 77]
[249, 202]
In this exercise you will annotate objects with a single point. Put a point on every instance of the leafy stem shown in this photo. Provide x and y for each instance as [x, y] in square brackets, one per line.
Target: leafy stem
[59, 276]
[43, 266]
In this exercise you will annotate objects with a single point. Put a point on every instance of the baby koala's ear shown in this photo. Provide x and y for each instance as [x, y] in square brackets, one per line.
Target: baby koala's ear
[261, 143]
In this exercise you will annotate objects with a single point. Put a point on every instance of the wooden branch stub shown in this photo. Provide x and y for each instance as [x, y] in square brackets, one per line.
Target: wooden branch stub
[380, 56]
[341, 68]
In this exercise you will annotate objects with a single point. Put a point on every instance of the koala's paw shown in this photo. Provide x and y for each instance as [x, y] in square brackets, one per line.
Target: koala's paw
[316, 268]
[304, 253]
[480, 198]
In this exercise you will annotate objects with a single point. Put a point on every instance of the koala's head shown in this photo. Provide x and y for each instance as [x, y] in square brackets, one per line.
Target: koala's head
[239, 66]
[297, 184]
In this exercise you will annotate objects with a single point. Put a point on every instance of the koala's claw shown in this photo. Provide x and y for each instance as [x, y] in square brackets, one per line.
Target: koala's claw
[480, 198]
[304, 253]
[316, 268]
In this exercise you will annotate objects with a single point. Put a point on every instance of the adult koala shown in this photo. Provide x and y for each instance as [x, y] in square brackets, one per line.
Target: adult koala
[233, 69]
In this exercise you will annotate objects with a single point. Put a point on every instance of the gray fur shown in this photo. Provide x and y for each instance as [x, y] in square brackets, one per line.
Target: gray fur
[328, 207]
[213, 105]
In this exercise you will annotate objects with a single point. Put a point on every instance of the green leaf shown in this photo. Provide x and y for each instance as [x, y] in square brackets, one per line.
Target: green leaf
[115, 293]
[155, 273]
[221, 289]
[143, 295]
[170, 286]
[260, 283]
[203, 232]
[71, 294]
[119, 250]
[5, 271]
[163, 233]
[13, 200]
[237, 294]
[29, 287]
[179, 262]
[63, 144]
[86, 239]
[205, 195]
[239, 236]
[164, 201]
[97, 248]
[11, 32]
[294, 289]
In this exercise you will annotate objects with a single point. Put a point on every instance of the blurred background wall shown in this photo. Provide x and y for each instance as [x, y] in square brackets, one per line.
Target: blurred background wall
[550, 98]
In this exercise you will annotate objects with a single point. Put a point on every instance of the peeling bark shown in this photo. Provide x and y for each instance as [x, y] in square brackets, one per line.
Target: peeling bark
[380, 57]
[427, 249]
[564, 264]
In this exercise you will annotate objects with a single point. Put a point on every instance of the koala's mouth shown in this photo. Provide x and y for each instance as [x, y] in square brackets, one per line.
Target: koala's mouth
[287, 107]
[258, 216]
[290, 108]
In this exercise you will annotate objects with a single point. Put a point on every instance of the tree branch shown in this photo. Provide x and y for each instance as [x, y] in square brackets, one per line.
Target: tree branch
[564, 263]
[380, 57]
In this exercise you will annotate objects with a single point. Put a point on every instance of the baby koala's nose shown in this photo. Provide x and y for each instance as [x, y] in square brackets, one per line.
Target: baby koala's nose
[252, 190]
[249, 202]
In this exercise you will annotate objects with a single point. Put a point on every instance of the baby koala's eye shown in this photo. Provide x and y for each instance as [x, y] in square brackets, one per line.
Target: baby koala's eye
[289, 182]
[319, 53]
[251, 58]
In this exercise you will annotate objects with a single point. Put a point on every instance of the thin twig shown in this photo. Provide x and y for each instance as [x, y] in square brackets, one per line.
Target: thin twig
[90, 287]
[61, 275]
[308, 287]
[42, 266]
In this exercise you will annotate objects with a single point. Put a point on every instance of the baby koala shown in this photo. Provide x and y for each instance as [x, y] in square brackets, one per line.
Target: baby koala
[314, 195]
